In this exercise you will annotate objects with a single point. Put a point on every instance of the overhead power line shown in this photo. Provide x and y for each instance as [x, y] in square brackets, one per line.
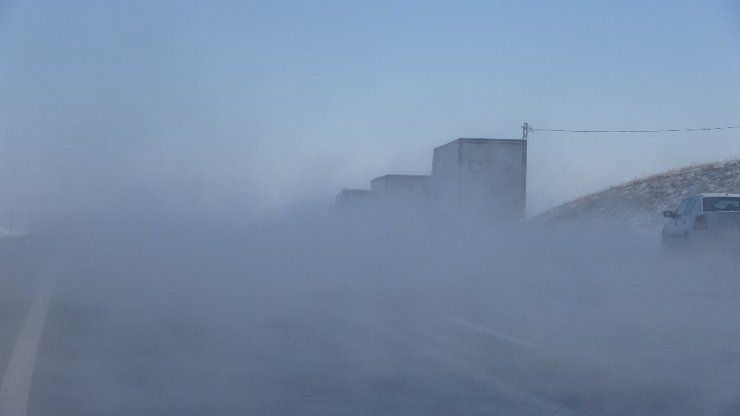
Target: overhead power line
[528, 129]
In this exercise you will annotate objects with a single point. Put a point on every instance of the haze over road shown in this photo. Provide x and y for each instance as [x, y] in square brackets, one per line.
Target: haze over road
[175, 161]
[322, 316]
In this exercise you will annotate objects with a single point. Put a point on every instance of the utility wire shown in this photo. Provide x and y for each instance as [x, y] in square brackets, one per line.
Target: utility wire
[532, 129]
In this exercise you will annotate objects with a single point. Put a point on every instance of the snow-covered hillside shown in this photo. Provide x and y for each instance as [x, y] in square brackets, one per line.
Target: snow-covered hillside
[638, 204]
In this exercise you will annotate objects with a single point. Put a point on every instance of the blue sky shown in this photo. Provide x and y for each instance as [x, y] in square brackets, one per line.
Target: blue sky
[255, 106]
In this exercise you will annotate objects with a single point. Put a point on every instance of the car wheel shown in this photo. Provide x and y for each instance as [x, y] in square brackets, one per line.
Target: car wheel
[687, 247]
[667, 244]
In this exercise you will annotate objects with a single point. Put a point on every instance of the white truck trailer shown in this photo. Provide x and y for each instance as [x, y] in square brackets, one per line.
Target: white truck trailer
[356, 200]
[482, 176]
[402, 191]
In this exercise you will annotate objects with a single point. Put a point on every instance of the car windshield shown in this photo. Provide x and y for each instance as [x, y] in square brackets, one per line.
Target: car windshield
[721, 204]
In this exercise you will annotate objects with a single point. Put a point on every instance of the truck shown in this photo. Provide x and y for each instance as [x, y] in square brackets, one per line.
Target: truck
[402, 191]
[481, 176]
[356, 200]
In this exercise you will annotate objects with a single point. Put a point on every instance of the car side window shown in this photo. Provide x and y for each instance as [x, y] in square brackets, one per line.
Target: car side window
[690, 206]
[681, 210]
[696, 207]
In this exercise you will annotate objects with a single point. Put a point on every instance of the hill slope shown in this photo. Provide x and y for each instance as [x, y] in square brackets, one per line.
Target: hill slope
[639, 203]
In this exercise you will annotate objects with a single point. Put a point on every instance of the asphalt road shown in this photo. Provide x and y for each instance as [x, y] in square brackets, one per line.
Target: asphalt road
[275, 323]
[170, 331]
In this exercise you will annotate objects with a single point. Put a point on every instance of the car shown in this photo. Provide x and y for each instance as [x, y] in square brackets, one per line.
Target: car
[703, 220]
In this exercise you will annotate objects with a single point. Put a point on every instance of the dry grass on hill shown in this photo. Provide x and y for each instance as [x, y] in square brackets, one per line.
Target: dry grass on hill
[639, 203]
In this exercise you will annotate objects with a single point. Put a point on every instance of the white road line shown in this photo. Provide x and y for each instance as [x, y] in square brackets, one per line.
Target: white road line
[16, 385]
[495, 333]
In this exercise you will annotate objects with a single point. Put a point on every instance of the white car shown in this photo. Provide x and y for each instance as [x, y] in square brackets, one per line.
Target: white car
[703, 220]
